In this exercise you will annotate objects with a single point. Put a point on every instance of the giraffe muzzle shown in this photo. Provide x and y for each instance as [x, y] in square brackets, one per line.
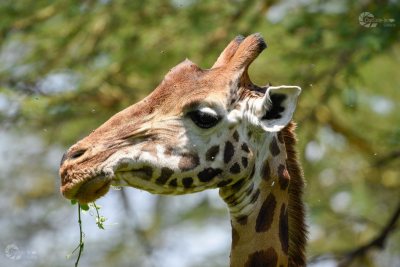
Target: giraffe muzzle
[87, 190]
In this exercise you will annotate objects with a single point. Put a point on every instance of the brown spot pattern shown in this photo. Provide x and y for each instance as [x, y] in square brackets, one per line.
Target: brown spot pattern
[147, 170]
[284, 229]
[164, 176]
[228, 152]
[235, 136]
[262, 258]
[187, 182]
[273, 147]
[235, 169]
[245, 148]
[173, 183]
[188, 161]
[168, 151]
[224, 183]
[266, 171]
[208, 174]
[242, 220]
[245, 162]
[284, 177]
[238, 184]
[212, 153]
[266, 214]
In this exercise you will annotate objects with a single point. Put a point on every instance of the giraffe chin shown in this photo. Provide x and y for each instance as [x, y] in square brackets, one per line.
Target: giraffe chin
[93, 189]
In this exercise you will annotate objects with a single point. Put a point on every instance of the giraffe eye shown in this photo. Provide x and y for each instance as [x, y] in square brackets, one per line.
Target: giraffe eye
[204, 119]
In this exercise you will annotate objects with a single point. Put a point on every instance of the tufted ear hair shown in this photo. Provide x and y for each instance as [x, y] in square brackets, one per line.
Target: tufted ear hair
[275, 109]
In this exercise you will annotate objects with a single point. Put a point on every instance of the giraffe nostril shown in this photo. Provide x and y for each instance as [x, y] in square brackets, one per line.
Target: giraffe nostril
[72, 155]
[77, 154]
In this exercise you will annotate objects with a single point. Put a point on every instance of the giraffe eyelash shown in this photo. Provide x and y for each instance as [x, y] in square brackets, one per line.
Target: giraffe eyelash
[203, 118]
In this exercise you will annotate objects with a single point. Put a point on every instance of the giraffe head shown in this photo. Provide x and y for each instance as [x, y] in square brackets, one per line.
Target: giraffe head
[193, 132]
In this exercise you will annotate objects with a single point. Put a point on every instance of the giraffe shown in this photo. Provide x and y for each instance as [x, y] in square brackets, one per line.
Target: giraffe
[203, 129]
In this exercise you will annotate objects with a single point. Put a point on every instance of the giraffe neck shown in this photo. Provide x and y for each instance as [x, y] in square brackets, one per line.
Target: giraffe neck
[264, 232]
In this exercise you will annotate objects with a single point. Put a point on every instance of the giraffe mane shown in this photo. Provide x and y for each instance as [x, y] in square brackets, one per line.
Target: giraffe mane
[297, 227]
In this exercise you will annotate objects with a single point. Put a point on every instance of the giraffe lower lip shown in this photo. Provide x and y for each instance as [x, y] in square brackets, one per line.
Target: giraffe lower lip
[93, 189]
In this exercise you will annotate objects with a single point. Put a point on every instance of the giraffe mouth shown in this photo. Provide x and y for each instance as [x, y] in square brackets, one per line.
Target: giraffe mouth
[88, 191]
[93, 189]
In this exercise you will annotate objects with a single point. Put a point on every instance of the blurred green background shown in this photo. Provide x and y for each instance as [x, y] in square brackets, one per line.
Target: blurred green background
[67, 66]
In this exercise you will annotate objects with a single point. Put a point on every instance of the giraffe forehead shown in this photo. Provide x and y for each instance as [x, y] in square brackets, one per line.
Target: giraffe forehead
[170, 98]
[176, 96]
[186, 83]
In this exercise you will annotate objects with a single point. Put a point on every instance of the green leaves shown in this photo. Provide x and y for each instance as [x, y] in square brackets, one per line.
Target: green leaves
[99, 222]
[99, 219]
[84, 207]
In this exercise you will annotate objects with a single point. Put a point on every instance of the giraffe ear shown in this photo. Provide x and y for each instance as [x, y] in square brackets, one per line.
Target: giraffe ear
[275, 109]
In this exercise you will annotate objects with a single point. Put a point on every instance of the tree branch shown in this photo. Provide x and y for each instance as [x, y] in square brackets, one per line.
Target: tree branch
[393, 155]
[376, 243]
